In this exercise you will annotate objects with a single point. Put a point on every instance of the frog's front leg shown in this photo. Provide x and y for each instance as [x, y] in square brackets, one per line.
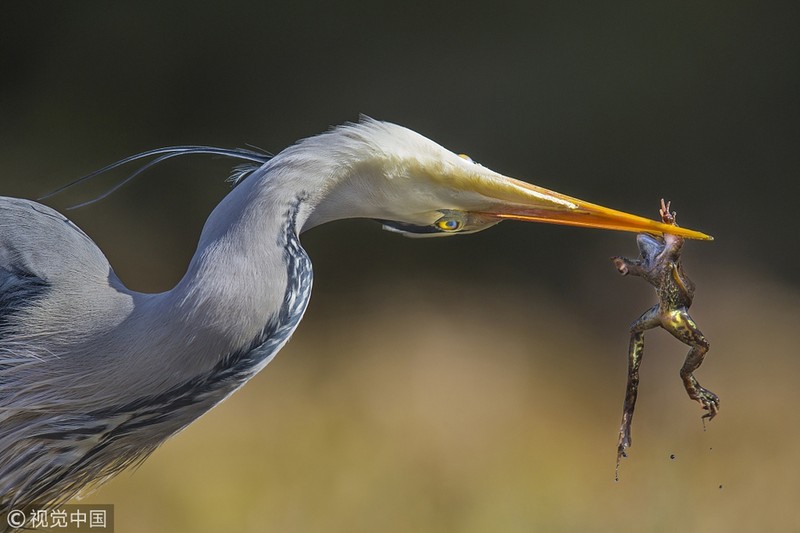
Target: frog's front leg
[648, 320]
[681, 325]
[625, 266]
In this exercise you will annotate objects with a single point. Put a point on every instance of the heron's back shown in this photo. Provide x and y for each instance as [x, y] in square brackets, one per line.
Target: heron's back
[94, 377]
[56, 290]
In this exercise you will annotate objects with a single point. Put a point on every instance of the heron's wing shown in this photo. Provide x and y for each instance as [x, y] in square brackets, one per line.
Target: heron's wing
[17, 289]
[42, 241]
[42, 251]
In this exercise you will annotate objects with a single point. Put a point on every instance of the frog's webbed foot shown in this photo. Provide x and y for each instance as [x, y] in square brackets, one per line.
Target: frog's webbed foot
[708, 400]
[624, 441]
[681, 325]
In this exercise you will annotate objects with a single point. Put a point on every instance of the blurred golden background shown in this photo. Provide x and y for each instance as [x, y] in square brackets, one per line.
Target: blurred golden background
[465, 384]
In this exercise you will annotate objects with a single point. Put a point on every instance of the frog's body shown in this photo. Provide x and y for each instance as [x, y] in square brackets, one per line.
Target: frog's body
[659, 264]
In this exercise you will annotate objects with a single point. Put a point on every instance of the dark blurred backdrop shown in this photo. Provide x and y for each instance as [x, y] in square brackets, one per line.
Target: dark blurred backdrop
[618, 103]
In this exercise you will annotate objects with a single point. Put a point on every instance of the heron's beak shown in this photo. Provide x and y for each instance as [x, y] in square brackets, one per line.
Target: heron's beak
[518, 200]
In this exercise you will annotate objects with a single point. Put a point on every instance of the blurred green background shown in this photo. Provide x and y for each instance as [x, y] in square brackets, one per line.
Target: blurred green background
[465, 384]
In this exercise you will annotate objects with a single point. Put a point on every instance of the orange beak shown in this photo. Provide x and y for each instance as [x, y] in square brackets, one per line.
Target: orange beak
[531, 203]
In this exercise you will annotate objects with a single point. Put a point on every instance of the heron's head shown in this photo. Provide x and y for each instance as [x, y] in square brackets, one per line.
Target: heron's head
[416, 187]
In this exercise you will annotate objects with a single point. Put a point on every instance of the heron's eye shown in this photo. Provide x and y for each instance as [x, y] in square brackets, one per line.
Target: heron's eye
[449, 224]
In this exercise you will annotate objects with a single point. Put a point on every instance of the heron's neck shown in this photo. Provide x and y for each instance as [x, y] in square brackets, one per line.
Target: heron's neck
[245, 270]
[237, 279]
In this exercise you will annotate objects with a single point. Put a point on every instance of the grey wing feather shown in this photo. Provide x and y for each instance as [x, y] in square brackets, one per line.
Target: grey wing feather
[44, 259]
[17, 289]
[42, 242]
[50, 274]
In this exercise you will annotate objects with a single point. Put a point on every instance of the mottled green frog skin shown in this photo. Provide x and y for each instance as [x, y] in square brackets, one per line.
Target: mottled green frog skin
[659, 264]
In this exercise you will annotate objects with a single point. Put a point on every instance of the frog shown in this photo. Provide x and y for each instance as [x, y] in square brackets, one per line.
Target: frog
[660, 265]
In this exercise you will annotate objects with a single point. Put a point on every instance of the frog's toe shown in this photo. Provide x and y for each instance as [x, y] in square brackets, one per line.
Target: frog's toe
[619, 263]
[623, 444]
[710, 403]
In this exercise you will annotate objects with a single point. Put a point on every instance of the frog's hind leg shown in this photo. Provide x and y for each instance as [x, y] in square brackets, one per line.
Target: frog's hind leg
[648, 320]
[681, 325]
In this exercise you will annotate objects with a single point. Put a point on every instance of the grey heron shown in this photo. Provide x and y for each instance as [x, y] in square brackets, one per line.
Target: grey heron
[94, 376]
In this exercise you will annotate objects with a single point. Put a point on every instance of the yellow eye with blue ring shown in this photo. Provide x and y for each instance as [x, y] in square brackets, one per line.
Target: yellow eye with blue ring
[449, 224]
